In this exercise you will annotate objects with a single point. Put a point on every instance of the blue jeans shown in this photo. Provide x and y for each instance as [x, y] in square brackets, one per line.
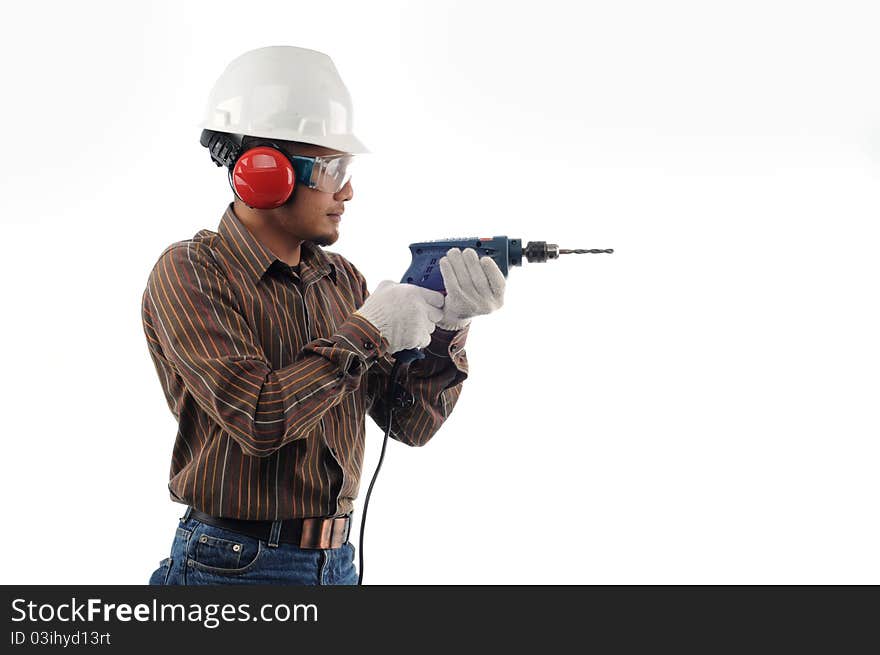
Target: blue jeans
[202, 554]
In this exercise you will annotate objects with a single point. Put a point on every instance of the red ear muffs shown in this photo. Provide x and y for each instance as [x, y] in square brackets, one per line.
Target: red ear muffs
[263, 178]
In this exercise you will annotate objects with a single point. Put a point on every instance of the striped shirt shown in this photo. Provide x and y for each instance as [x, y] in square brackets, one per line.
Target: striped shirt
[270, 373]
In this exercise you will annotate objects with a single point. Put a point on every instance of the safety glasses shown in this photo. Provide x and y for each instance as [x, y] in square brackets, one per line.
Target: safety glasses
[326, 173]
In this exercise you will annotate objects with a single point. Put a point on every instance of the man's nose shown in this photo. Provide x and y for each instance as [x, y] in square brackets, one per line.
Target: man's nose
[345, 193]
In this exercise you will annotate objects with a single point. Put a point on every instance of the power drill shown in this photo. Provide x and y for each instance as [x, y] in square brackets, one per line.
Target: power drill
[424, 271]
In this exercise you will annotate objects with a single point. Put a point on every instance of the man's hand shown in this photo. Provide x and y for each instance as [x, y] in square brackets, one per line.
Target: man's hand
[474, 286]
[404, 313]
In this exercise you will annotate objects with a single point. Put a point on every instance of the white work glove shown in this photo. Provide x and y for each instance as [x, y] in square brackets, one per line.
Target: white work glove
[474, 286]
[405, 314]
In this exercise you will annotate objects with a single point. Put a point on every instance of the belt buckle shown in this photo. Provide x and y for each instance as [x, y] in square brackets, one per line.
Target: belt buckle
[324, 532]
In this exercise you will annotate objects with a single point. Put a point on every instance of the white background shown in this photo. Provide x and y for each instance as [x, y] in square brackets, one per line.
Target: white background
[699, 407]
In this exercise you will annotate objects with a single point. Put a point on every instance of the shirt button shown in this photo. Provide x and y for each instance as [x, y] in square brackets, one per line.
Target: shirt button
[453, 347]
[368, 345]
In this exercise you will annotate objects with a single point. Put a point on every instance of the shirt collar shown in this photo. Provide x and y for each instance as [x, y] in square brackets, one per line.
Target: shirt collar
[256, 258]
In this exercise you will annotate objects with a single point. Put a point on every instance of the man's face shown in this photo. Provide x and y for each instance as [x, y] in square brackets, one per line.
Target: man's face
[306, 216]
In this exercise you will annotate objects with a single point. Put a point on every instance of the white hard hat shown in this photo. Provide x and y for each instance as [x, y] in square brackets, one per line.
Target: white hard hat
[287, 93]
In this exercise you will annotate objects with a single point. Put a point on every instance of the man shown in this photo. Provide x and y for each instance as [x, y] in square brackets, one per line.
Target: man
[271, 351]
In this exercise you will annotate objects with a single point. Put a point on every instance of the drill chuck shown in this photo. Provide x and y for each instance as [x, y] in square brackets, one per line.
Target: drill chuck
[540, 251]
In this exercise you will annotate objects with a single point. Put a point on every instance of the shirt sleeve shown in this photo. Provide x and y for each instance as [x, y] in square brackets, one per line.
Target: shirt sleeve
[434, 383]
[203, 334]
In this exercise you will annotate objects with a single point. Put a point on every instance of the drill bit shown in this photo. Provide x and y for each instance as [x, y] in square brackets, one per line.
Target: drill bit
[541, 251]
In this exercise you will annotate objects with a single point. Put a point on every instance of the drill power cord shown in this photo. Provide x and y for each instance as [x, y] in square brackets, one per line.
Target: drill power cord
[392, 383]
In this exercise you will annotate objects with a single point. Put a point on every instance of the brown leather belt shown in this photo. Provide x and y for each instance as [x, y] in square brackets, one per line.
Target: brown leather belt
[305, 533]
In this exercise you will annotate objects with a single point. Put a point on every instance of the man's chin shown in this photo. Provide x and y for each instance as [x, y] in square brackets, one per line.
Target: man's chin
[324, 240]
